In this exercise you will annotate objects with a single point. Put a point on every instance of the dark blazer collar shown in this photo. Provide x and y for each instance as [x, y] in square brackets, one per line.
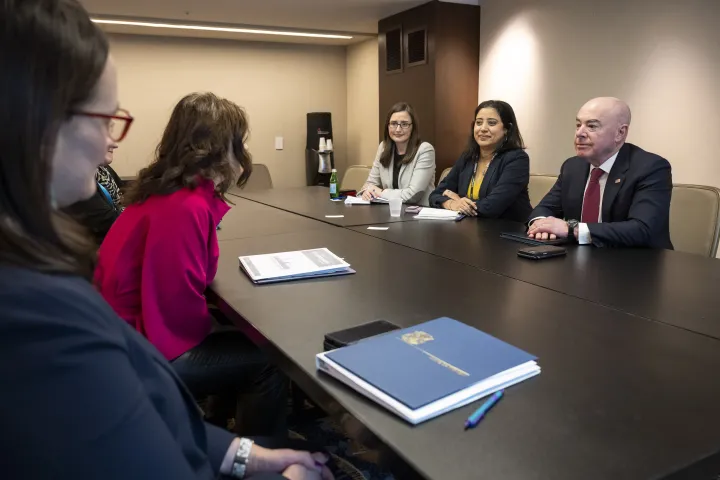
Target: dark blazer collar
[466, 174]
[615, 180]
[468, 170]
[492, 168]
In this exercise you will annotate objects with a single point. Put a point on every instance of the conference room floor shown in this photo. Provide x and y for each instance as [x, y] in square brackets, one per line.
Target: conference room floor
[622, 394]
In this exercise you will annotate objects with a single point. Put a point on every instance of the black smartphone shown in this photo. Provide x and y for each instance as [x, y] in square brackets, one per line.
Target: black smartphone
[541, 252]
[352, 335]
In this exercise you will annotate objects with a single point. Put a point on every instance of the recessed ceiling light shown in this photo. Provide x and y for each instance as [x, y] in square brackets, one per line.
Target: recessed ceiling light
[221, 29]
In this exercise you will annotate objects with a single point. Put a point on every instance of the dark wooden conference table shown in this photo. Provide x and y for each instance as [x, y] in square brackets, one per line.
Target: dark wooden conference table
[676, 288]
[315, 203]
[621, 394]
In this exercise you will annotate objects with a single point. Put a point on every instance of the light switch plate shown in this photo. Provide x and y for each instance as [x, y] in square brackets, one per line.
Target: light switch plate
[278, 143]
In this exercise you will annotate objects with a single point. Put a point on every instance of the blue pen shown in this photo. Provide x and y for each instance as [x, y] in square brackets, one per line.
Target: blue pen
[479, 414]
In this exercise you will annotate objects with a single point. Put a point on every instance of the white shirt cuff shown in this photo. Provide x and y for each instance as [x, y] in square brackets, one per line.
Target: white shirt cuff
[532, 220]
[584, 237]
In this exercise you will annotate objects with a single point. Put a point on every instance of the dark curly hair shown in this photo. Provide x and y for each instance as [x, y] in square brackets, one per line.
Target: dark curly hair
[202, 131]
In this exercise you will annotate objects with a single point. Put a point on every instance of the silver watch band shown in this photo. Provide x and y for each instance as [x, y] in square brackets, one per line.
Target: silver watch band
[242, 456]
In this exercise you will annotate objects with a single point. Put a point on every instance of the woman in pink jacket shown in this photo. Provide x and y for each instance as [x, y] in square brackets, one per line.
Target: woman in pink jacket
[162, 253]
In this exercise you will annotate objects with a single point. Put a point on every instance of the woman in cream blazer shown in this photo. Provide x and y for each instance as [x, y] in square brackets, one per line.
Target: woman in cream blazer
[404, 166]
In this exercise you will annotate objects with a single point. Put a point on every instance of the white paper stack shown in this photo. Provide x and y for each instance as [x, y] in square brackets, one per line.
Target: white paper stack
[436, 214]
[360, 201]
[279, 267]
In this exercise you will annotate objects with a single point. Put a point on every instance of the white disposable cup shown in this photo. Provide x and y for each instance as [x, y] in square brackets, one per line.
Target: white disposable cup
[329, 145]
[395, 206]
[323, 145]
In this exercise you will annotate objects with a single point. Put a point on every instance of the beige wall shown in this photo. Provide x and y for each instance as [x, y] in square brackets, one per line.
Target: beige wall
[278, 84]
[663, 57]
[362, 102]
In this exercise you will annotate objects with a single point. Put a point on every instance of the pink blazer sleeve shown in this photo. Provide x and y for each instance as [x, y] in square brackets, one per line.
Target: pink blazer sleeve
[174, 279]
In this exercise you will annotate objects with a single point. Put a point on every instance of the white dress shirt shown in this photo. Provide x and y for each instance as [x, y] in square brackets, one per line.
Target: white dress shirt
[584, 237]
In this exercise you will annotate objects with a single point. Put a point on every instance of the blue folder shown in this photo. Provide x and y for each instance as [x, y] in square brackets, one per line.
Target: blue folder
[422, 364]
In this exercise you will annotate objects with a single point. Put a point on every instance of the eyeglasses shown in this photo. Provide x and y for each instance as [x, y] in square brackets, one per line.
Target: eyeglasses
[119, 123]
[402, 125]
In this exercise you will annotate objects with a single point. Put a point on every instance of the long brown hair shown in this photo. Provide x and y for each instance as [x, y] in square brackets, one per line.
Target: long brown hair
[513, 139]
[202, 130]
[51, 58]
[413, 143]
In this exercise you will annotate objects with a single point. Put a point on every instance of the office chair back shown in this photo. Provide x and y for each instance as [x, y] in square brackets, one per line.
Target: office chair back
[695, 219]
[539, 186]
[355, 177]
[260, 178]
[444, 174]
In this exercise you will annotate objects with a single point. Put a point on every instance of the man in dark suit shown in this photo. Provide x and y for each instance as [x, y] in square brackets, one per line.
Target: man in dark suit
[612, 193]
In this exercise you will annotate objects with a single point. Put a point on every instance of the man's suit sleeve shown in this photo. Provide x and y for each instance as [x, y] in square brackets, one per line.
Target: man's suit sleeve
[650, 204]
[551, 204]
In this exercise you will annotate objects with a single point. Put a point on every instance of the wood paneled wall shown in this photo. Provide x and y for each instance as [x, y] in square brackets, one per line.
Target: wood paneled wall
[443, 90]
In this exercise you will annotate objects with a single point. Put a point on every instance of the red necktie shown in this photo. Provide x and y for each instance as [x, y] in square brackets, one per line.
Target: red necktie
[591, 202]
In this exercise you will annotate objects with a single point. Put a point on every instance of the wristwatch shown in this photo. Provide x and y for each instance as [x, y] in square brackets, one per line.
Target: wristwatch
[242, 455]
[572, 224]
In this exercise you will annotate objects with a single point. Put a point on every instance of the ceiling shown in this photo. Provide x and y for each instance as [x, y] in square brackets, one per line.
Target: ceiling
[356, 16]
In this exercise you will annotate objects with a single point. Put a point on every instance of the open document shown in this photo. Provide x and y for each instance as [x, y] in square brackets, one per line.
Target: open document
[278, 267]
[436, 214]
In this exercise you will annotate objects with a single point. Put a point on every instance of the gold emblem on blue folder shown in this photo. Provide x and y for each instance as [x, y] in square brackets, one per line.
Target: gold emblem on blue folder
[417, 338]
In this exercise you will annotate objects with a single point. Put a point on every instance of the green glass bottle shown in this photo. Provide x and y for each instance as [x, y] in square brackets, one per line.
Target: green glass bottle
[334, 189]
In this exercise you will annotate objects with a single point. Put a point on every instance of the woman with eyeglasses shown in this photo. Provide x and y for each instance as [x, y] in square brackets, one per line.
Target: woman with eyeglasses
[490, 180]
[404, 166]
[99, 212]
[83, 394]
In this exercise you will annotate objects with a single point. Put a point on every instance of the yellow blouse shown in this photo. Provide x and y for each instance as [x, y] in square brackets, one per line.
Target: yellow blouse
[473, 192]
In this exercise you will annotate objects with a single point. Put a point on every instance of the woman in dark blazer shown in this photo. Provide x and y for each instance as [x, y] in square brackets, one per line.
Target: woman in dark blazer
[83, 394]
[490, 180]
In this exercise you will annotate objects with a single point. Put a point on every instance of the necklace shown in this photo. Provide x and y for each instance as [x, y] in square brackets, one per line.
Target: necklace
[485, 168]
[483, 171]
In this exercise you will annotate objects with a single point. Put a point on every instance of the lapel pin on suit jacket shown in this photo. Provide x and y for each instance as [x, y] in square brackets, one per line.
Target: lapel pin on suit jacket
[618, 180]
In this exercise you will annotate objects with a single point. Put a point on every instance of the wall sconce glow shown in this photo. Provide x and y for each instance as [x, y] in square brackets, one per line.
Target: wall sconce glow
[221, 29]
[511, 69]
